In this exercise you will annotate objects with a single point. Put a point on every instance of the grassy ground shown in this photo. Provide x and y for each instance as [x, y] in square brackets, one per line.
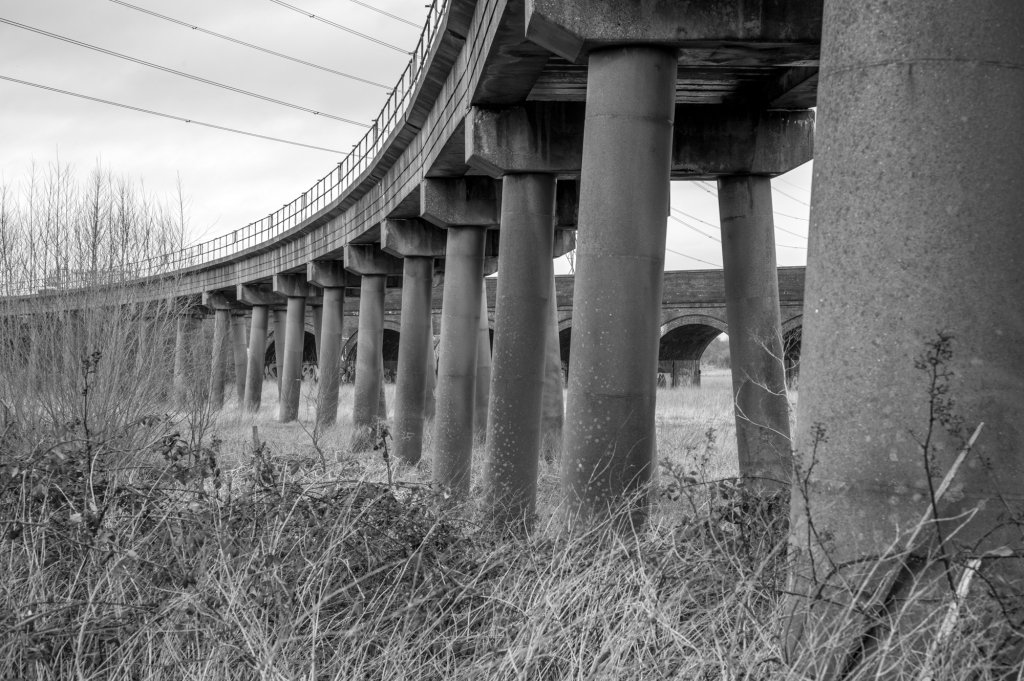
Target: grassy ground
[185, 548]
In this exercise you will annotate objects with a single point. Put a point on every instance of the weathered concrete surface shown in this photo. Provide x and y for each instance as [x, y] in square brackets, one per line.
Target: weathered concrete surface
[290, 375]
[522, 320]
[461, 201]
[186, 329]
[755, 330]
[456, 376]
[916, 222]
[710, 141]
[609, 428]
[570, 29]
[253, 394]
[329, 357]
[537, 137]
[219, 365]
[239, 352]
[366, 406]
[415, 358]
[482, 392]
[280, 324]
[552, 402]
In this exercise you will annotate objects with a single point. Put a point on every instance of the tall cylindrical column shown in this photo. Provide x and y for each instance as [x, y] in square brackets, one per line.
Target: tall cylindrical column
[257, 352]
[332, 314]
[620, 254]
[429, 403]
[219, 365]
[456, 375]
[755, 330]
[415, 349]
[482, 392]
[291, 374]
[913, 290]
[369, 361]
[521, 327]
[553, 402]
[240, 354]
[280, 324]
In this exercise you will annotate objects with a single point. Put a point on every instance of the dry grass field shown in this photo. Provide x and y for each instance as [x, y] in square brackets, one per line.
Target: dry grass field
[142, 544]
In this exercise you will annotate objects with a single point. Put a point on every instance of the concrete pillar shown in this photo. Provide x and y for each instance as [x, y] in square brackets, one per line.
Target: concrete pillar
[415, 355]
[523, 311]
[240, 353]
[553, 402]
[916, 222]
[429, 403]
[755, 330]
[456, 377]
[218, 367]
[253, 394]
[482, 392]
[329, 357]
[290, 375]
[369, 363]
[624, 194]
[686, 372]
[280, 324]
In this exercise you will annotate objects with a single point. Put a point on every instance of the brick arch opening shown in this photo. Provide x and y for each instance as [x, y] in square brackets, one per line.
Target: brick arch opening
[389, 350]
[683, 342]
[309, 357]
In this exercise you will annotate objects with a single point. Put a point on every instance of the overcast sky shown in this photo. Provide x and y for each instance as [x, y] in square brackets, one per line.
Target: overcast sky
[230, 179]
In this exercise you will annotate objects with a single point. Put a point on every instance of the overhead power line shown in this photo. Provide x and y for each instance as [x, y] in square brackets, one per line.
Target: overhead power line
[180, 73]
[387, 14]
[250, 45]
[790, 196]
[692, 258]
[340, 27]
[169, 116]
[702, 233]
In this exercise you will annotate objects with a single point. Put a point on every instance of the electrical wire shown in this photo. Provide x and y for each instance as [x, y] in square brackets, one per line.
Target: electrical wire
[692, 258]
[179, 73]
[387, 14]
[170, 116]
[790, 196]
[340, 27]
[250, 45]
[702, 233]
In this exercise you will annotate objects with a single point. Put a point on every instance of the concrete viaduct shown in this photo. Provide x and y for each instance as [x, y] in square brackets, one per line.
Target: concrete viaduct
[693, 313]
[530, 118]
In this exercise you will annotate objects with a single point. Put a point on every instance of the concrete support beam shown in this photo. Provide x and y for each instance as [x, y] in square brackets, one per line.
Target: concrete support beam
[253, 394]
[416, 237]
[219, 364]
[755, 331]
[280, 316]
[915, 231]
[329, 357]
[482, 393]
[523, 310]
[456, 377]
[713, 141]
[552, 401]
[240, 353]
[537, 137]
[257, 294]
[624, 201]
[370, 259]
[415, 358]
[330, 273]
[464, 201]
[366, 407]
[290, 375]
[573, 28]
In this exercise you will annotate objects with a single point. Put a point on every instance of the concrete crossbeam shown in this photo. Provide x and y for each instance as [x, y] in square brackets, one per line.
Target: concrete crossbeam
[416, 238]
[572, 28]
[708, 142]
[330, 274]
[292, 285]
[461, 202]
[537, 137]
[256, 294]
[369, 259]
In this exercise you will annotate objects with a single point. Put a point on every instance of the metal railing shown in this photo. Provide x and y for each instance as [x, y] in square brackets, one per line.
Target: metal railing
[327, 190]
